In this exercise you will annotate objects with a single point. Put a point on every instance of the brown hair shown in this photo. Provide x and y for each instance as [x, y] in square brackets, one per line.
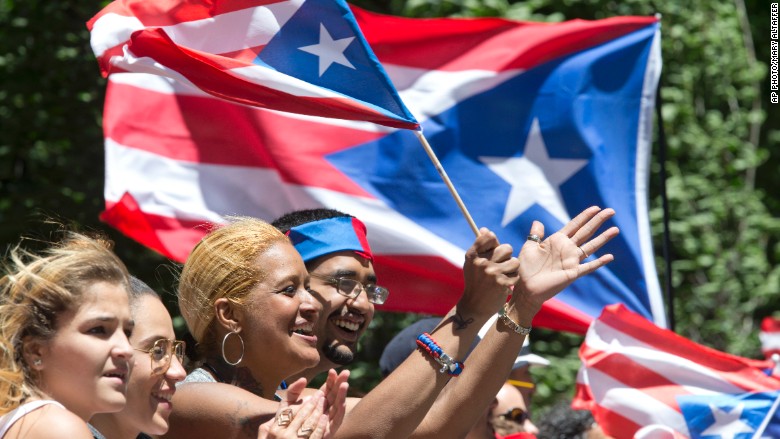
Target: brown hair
[223, 264]
[35, 290]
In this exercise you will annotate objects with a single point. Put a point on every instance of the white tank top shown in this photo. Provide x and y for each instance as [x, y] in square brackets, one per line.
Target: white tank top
[8, 419]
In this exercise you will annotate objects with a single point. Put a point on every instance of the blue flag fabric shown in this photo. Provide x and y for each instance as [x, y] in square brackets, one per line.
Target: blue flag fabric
[723, 416]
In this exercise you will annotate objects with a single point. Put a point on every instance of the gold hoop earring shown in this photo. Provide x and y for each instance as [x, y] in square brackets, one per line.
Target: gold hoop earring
[224, 340]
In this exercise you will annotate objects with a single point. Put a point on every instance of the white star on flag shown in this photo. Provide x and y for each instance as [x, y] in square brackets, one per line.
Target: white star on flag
[727, 424]
[329, 50]
[535, 178]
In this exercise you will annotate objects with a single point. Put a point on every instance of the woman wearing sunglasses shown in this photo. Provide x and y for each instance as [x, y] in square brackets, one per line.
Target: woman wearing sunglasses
[157, 369]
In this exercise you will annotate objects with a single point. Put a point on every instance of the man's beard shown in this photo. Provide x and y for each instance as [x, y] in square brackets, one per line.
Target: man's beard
[338, 354]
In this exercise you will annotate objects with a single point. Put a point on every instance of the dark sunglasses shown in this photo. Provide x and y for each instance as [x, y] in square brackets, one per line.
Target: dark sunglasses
[516, 414]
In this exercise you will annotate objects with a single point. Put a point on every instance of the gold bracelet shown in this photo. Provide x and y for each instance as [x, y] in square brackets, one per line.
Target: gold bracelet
[513, 325]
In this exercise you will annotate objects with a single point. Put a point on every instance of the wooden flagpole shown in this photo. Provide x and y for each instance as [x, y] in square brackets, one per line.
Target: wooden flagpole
[447, 181]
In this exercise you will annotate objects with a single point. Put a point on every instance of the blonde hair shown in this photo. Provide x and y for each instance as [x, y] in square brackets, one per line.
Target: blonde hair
[223, 264]
[35, 290]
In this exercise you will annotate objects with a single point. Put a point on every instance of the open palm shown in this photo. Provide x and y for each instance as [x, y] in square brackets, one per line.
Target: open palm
[552, 264]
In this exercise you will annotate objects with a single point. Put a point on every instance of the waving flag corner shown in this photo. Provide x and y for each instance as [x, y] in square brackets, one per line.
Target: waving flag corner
[643, 381]
[243, 52]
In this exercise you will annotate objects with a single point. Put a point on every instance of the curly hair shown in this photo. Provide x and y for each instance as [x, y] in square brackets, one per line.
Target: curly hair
[35, 290]
[563, 422]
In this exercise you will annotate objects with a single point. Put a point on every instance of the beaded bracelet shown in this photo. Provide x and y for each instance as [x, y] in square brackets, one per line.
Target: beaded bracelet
[448, 364]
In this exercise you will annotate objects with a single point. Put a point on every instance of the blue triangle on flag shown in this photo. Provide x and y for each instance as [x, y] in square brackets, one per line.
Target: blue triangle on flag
[728, 416]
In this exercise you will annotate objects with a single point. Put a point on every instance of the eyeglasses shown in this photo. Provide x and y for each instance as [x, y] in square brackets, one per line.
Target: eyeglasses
[516, 414]
[352, 288]
[162, 352]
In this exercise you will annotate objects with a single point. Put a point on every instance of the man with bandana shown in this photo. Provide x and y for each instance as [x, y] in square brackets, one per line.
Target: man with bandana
[418, 399]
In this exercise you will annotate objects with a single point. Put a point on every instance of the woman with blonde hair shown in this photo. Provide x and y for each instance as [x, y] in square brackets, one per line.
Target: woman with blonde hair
[244, 293]
[64, 352]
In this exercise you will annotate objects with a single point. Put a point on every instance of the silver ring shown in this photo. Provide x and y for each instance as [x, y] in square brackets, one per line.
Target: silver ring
[584, 254]
[534, 238]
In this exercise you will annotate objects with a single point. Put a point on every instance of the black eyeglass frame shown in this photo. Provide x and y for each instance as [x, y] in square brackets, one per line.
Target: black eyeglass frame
[376, 294]
[177, 348]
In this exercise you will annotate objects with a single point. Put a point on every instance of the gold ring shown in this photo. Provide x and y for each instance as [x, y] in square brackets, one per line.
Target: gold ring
[305, 431]
[284, 418]
[584, 254]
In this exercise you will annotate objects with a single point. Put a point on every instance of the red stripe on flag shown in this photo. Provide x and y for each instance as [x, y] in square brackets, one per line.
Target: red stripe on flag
[650, 382]
[432, 284]
[104, 61]
[171, 237]
[742, 372]
[613, 423]
[458, 44]
[187, 128]
[559, 316]
[246, 55]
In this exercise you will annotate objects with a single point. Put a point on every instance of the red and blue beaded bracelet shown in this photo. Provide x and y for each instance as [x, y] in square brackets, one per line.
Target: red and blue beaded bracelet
[448, 364]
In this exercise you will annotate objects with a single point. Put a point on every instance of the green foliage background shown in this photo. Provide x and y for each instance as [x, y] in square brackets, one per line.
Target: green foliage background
[722, 158]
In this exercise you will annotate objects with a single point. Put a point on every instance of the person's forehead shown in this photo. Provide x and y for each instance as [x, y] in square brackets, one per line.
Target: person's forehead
[340, 262]
[152, 320]
[509, 397]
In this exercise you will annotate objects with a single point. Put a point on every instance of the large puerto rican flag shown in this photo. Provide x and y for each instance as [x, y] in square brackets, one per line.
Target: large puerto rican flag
[530, 120]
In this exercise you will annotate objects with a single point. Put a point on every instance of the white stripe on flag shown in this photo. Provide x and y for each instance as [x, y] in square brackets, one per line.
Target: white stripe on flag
[691, 376]
[234, 31]
[426, 93]
[157, 83]
[196, 191]
[224, 33]
[429, 92]
[631, 403]
[642, 178]
[112, 30]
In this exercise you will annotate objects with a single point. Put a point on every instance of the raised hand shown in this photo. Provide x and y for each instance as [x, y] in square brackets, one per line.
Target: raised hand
[489, 271]
[547, 266]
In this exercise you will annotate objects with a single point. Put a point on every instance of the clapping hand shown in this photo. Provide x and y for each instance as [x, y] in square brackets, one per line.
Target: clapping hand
[317, 416]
